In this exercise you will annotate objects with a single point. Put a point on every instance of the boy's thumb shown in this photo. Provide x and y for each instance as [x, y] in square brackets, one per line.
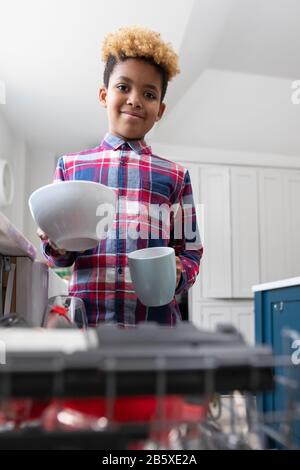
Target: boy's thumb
[41, 234]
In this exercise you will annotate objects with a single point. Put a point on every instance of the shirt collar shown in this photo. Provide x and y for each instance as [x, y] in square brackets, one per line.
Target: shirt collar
[114, 142]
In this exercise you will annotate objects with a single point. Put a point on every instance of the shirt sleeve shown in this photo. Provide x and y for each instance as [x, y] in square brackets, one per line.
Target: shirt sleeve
[50, 254]
[185, 236]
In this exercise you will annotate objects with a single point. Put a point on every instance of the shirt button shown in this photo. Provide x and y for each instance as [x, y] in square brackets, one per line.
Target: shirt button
[120, 270]
[123, 162]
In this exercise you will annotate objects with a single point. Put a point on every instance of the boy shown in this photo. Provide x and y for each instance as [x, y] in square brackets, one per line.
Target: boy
[138, 67]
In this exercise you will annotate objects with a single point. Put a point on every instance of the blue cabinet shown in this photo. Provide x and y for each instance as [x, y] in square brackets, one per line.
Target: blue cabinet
[276, 311]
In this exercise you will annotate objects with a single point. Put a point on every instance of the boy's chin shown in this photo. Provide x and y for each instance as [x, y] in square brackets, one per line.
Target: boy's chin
[135, 137]
[131, 136]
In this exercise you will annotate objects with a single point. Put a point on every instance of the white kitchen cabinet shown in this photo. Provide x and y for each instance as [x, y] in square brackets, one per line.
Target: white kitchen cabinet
[279, 205]
[195, 293]
[244, 230]
[230, 201]
[228, 219]
[217, 268]
[272, 226]
[213, 315]
[240, 315]
[252, 228]
[249, 222]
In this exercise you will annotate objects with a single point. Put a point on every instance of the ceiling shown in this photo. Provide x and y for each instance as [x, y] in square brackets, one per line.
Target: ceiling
[50, 62]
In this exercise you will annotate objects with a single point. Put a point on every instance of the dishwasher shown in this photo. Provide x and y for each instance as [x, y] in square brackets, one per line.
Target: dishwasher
[145, 387]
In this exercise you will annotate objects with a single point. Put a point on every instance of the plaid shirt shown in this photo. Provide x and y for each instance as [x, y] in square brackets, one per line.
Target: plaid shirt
[101, 275]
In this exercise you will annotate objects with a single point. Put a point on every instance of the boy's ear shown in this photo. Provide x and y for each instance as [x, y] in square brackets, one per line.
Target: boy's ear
[161, 111]
[103, 96]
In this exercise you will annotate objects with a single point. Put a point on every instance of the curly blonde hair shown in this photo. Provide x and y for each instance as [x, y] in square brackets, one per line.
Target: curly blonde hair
[137, 41]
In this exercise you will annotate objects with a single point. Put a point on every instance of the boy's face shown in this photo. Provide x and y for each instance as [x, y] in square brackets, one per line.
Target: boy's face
[132, 99]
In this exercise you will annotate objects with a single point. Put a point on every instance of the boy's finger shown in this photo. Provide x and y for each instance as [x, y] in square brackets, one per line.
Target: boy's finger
[59, 250]
[178, 269]
[62, 252]
[41, 234]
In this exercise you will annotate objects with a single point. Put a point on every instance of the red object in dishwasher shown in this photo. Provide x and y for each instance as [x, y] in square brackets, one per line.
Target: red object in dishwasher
[140, 408]
[125, 410]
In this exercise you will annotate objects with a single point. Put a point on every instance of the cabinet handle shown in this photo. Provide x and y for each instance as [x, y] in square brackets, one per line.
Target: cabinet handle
[279, 307]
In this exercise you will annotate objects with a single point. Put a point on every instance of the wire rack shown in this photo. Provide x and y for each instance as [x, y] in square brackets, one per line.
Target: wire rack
[161, 400]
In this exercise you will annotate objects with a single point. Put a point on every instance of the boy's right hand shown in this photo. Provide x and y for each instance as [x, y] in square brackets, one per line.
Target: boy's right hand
[44, 237]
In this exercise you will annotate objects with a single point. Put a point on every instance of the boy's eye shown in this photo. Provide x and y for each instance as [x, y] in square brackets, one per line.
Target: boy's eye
[122, 87]
[150, 95]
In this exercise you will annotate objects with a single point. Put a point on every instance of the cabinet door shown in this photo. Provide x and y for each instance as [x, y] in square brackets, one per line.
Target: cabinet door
[195, 291]
[243, 319]
[291, 182]
[245, 234]
[272, 226]
[213, 315]
[216, 269]
[285, 328]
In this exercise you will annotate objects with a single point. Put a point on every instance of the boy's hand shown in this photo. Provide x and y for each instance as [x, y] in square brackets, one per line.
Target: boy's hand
[178, 270]
[43, 236]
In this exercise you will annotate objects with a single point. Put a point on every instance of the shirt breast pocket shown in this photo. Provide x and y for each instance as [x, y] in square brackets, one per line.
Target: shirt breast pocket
[156, 193]
[157, 206]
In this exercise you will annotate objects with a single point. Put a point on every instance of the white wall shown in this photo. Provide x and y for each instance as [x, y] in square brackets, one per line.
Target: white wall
[6, 144]
[32, 168]
[13, 149]
[225, 157]
[19, 164]
[230, 110]
[39, 172]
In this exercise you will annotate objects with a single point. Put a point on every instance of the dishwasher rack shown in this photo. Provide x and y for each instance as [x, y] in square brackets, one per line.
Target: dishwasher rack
[203, 388]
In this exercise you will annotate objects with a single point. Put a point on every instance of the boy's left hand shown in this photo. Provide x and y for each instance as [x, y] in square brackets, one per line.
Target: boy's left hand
[178, 270]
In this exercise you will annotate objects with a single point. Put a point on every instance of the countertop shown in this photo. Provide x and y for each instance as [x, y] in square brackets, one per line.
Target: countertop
[294, 281]
[13, 242]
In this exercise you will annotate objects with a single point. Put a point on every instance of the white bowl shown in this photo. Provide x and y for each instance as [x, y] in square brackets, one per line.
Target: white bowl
[74, 214]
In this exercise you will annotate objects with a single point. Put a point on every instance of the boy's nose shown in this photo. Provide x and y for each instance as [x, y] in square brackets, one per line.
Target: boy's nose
[134, 100]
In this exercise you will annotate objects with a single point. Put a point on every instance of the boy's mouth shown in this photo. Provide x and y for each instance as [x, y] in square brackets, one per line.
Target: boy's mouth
[134, 115]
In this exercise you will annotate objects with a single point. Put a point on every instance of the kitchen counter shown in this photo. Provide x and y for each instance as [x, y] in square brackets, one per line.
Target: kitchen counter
[277, 324]
[13, 242]
[293, 281]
